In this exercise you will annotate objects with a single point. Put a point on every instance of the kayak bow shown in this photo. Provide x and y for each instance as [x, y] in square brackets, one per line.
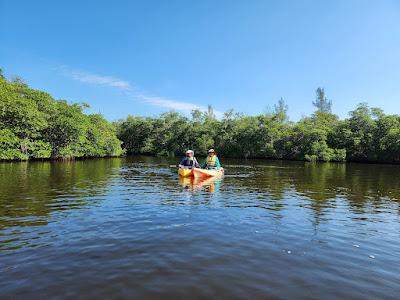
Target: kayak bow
[203, 173]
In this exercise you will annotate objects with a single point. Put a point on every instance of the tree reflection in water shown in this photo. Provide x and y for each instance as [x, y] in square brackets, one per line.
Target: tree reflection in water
[31, 192]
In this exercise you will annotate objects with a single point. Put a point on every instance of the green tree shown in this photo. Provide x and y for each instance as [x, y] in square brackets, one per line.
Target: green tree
[280, 111]
[34, 125]
[135, 133]
[321, 102]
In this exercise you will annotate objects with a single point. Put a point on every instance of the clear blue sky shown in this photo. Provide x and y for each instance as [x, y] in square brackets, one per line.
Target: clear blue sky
[145, 57]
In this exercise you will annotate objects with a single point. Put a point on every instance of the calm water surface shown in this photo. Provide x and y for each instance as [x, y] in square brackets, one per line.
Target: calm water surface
[130, 228]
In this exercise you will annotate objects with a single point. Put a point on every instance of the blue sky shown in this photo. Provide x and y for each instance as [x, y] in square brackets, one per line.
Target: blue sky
[146, 57]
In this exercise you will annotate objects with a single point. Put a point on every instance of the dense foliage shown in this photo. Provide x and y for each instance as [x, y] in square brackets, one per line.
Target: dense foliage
[367, 135]
[34, 125]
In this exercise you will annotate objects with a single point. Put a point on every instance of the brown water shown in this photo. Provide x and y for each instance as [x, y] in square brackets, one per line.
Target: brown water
[129, 228]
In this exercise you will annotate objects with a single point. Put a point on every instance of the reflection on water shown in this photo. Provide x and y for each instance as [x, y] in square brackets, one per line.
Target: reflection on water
[210, 184]
[29, 192]
[131, 228]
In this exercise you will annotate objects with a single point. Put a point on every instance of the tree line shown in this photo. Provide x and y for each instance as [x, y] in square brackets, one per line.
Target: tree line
[34, 125]
[367, 135]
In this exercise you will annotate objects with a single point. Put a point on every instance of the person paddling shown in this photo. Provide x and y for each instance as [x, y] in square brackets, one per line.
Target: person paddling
[212, 161]
[189, 161]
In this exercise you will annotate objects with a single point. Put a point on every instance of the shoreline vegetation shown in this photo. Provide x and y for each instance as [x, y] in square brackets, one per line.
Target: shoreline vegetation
[33, 125]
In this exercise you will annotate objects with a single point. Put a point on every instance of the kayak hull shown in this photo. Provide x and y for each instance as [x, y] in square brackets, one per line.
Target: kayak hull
[185, 172]
[205, 173]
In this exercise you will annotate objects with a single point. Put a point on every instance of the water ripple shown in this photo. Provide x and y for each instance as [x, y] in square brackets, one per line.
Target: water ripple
[128, 228]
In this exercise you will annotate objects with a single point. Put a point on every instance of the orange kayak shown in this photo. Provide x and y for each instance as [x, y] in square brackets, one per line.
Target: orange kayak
[204, 173]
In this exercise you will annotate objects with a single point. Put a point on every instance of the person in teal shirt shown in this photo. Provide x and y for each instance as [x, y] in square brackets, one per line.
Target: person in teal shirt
[212, 161]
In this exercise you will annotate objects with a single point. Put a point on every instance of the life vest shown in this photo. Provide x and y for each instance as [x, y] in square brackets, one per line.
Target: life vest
[211, 161]
[189, 162]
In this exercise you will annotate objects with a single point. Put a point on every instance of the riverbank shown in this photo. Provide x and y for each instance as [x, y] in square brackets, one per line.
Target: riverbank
[175, 159]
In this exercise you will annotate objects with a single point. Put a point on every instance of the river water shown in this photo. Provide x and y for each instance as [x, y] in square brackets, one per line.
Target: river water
[130, 228]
